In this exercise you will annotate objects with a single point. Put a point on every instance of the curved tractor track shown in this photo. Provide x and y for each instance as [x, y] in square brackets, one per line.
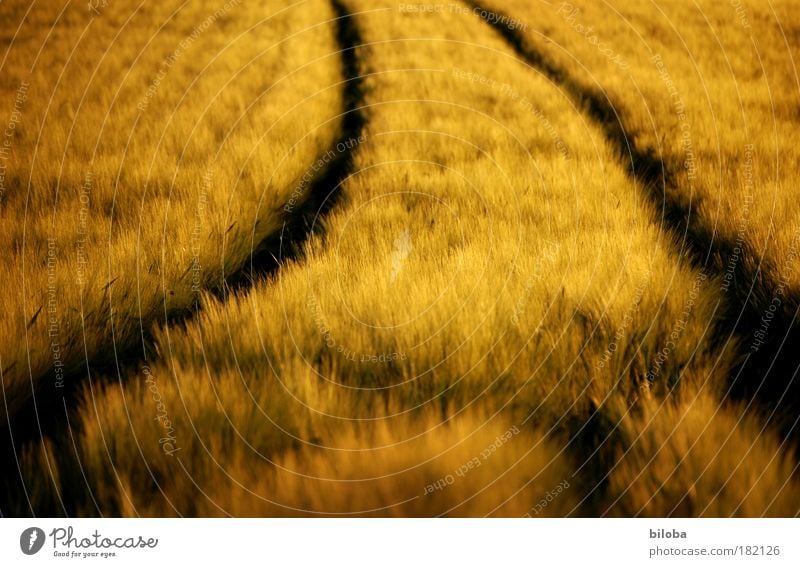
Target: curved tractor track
[304, 220]
[49, 416]
[766, 374]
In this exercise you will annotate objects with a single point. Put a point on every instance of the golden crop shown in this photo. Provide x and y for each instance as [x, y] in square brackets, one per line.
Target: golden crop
[493, 318]
[154, 147]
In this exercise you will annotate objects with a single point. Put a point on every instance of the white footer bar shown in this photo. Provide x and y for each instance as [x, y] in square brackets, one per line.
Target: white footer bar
[410, 542]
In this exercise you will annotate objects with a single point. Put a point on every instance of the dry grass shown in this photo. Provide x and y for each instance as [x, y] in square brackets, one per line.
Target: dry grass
[331, 467]
[154, 147]
[430, 261]
[697, 458]
[490, 268]
[711, 87]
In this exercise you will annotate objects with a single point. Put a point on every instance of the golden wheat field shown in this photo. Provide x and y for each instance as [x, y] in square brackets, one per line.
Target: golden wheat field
[518, 258]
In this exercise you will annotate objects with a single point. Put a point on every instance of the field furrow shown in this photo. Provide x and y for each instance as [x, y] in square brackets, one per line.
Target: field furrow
[491, 312]
[704, 119]
[123, 215]
[330, 258]
[187, 170]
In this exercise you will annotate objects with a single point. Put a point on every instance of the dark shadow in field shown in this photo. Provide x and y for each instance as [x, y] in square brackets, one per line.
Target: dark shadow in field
[766, 375]
[323, 193]
[47, 413]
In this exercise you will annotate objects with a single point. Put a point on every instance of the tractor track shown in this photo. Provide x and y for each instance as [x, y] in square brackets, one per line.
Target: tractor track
[47, 415]
[764, 375]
